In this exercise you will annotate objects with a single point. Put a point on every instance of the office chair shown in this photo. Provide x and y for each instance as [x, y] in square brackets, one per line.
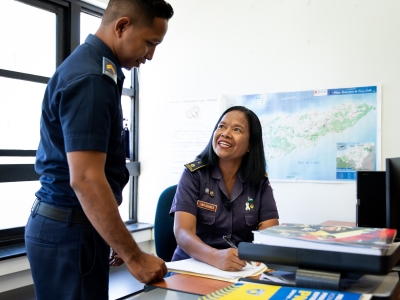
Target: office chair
[164, 238]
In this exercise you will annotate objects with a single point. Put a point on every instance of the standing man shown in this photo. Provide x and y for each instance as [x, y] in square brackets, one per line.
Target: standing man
[81, 160]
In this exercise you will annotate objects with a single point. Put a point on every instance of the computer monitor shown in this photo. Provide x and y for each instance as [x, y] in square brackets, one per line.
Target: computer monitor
[393, 194]
[371, 199]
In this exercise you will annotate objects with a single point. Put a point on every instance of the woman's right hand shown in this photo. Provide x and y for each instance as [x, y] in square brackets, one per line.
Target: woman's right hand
[186, 237]
[228, 260]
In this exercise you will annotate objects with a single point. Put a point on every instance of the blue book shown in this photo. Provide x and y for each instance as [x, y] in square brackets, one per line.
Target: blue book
[244, 290]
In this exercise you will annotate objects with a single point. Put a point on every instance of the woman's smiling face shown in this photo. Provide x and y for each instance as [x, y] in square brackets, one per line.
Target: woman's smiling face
[231, 138]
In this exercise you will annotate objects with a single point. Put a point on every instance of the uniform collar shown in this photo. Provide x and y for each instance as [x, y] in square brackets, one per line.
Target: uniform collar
[106, 52]
[238, 186]
[217, 173]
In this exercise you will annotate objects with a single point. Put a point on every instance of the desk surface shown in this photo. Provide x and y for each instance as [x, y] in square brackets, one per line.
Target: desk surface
[192, 284]
[203, 286]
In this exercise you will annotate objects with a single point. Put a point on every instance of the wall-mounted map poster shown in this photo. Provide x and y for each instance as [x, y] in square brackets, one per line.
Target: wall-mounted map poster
[318, 135]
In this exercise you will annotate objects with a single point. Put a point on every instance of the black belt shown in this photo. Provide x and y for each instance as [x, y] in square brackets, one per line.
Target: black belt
[59, 214]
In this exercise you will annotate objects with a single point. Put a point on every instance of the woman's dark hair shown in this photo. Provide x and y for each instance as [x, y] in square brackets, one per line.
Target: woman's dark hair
[253, 163]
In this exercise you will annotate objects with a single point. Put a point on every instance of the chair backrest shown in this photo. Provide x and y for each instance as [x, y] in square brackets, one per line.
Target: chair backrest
[164, 238]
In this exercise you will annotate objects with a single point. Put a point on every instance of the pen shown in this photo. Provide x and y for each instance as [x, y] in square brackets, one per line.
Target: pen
[232, 245]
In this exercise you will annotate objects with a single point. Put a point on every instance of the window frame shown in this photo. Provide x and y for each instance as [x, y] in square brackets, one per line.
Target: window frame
[68, 38]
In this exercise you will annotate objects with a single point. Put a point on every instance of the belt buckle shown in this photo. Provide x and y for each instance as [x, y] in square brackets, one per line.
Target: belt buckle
[35, 207]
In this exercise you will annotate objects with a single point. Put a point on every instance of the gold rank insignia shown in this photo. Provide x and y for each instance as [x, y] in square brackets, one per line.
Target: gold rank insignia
[194, 165]
[109, 69]
[266, 174]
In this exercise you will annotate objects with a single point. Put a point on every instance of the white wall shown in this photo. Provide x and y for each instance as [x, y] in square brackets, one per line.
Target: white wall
[255, 46]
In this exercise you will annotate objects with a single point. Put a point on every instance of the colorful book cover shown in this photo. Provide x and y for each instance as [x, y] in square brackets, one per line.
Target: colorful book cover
[243, 291]
[341, 235]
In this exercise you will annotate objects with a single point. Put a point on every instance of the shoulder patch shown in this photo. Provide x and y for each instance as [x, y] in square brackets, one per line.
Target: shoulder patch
[109, 69]
[194, 165]
[266, 174]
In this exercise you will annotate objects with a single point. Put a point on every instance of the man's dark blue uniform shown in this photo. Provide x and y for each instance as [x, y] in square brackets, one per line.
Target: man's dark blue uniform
[81, 110]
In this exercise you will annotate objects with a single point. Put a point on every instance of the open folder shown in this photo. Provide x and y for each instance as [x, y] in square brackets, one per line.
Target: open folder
[194, 267]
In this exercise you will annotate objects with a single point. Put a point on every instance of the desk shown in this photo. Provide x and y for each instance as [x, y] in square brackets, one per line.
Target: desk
[203, 286]
[192, 284]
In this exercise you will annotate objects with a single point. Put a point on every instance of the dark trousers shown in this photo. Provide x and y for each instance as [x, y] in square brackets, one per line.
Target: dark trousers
[67, 261]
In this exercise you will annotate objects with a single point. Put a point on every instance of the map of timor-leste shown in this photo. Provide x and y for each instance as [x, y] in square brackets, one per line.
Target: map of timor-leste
[324, 134]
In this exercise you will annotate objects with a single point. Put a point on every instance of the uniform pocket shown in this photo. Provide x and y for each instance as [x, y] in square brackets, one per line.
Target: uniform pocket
[33, 242]
[205, 225]
[87, 251]
[251, 219]
[206, 218]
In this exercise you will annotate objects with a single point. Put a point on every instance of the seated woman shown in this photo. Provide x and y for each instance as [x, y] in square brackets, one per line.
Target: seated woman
[225, 192]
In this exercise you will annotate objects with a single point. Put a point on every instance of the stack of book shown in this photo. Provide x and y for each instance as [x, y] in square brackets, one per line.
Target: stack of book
[348, 239]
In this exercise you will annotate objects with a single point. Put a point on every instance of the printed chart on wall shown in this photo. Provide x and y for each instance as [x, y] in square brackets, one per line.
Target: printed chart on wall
[192, 122]
[318, 135]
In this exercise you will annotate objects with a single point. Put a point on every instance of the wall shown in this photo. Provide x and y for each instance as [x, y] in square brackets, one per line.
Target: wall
[254, 46]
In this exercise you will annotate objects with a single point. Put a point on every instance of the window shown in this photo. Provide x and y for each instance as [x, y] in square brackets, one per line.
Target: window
[24, 71]
[51, 30]
[19, 55]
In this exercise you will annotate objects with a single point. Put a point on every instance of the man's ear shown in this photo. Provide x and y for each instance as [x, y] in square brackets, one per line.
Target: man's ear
[121, 25]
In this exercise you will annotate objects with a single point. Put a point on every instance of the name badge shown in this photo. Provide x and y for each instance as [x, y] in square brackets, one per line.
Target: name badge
[206, 205]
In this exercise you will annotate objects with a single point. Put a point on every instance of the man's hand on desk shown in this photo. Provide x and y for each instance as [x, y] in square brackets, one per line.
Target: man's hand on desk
[146, 268]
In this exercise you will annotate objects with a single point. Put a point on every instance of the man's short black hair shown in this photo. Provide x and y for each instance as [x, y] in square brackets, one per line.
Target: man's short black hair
[253, 164]
[142, 12]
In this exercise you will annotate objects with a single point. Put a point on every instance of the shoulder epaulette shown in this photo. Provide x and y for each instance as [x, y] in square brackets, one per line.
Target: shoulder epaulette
[194, 165]
[109, 69]
[266, 174]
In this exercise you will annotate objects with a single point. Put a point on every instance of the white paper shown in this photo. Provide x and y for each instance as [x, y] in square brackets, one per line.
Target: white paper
[195, 266]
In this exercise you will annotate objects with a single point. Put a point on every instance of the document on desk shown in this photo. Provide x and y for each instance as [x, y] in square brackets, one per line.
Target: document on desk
[194, 267]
